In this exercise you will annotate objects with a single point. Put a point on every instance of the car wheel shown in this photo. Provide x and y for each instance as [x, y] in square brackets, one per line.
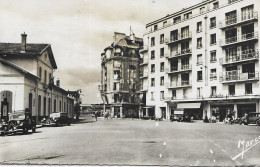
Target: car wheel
[68, 123]
[57, 124]
[34, 129]
[258, 122]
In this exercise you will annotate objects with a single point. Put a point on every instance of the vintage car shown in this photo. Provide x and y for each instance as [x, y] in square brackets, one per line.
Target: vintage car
[57, 119]
[21, 121]
[180, 117]
[252, 117]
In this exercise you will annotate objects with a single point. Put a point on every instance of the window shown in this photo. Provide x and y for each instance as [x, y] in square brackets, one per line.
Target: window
[247, 12]
[152, 55]
[161, 38]
[40, 72]
[213, 91]
[39, 104]
[161, 52]
[213, 39]
[184, 93]
[231, 90]
[231, 17]
[45, 76]
[199, 76]
[185, 32]
[199, 92]
[152, 41]
[162, 66]
[44, 106]
[174, 35]
[213, 57]
[248, 88]
[162, 95]
[152, 68]
[199, 27]
[215, 5]
[49, 106]
[202, 10]
[187, 15]
[177, 19]
[213, 22]
[199, 43]
[173, 94]
[213, 74]
[155, 27]
[152, 95]
[152, 82]
[50, 78]
[199, 59]
[162, 81]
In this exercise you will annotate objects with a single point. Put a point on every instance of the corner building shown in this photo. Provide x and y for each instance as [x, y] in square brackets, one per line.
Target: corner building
[120, 76]
[203, 61]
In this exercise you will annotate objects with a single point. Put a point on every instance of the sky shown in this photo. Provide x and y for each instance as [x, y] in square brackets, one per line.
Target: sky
[79, 30]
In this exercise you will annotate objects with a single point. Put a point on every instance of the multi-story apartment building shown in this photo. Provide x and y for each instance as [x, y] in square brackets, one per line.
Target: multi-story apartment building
[26, 80]
[120, 76]
[203, 60]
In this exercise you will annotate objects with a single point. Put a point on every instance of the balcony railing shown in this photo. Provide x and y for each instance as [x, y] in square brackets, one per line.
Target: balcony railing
[179, 84]
[237, 39]
[182, 52]
[143, 74]
[180, 68]
[179, 37]
[117, 77]
[238, 77]
[144, 62]
[251, 54]
[248, 16]
[144, 49]
[213, 76]
[143, 88]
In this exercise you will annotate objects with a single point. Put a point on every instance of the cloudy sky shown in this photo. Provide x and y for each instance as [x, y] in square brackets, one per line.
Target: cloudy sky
[79, 30]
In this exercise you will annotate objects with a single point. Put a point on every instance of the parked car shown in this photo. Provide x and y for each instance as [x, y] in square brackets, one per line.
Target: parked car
[252, 117]
[21, 121]
[57, 119]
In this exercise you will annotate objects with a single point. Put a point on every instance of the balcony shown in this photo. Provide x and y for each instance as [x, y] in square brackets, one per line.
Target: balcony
[118, 66]
[179, 69]
[233, 76]
[239, 39]
[176, 85]
[144, 49]
[144, 75]
[235, 21]
[117, 77]
[183, 52]
[178, 38]
[246, 55]
[144, 62]
[143, 88]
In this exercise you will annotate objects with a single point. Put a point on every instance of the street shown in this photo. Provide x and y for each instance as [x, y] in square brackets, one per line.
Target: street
[134, 142]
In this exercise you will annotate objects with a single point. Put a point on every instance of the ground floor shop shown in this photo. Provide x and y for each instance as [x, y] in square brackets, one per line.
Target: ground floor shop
[122, 110]
[238, 108]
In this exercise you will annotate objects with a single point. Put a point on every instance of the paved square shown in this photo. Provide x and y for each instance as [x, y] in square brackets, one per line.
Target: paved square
[135, 142]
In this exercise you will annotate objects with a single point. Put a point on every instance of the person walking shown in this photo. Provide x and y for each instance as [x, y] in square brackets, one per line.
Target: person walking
[96, 115]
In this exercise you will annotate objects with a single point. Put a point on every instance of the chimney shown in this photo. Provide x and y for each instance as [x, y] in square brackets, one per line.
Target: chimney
[23, 44]
[58, 82]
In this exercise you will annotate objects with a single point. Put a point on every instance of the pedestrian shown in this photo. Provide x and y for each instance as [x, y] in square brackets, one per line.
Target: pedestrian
[96, 115]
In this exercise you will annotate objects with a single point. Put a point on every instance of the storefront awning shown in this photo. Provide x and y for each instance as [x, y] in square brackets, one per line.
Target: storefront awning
[188, 105]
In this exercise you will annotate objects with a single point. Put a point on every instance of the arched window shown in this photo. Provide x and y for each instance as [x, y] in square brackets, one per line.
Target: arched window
[40, 72]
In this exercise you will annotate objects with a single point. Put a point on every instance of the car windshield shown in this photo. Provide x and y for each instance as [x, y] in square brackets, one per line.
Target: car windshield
[18, 115]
